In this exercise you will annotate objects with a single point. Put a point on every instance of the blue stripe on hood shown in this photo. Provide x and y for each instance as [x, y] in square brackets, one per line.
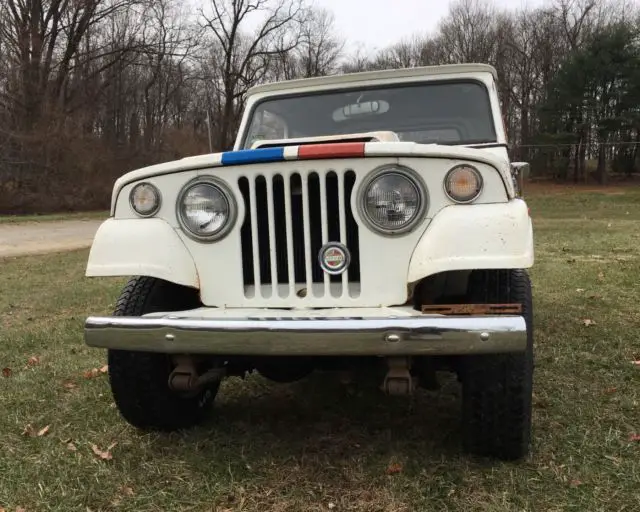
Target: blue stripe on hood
[251, 156]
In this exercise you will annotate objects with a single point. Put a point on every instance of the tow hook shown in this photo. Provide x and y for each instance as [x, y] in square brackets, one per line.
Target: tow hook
[399, 380]
[185, 377]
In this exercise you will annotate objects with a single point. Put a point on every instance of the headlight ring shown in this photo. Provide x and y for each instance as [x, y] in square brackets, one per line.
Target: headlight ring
[206, 209]
[398, 205]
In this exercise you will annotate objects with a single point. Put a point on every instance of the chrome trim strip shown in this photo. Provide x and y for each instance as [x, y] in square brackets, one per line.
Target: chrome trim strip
[420, 335]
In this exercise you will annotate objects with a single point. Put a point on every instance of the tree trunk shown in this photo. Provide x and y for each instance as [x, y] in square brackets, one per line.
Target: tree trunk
[602, 165]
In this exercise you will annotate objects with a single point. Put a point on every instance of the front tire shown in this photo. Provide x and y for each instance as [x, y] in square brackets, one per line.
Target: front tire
[139, 380]
[497, 389]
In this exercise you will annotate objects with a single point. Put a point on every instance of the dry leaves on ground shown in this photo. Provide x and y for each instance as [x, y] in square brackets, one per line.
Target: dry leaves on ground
[33, 361]
[634, 437]
[95, 372]
[6, 372]
[29, 431]
[69, 385]
[394, 468]
[106, 454]
[587, 322]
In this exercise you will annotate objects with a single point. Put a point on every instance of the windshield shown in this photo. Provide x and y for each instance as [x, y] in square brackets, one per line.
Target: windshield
[444, 113]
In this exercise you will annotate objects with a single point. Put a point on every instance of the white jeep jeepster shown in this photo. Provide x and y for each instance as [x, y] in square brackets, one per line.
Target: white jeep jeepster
[370, 220]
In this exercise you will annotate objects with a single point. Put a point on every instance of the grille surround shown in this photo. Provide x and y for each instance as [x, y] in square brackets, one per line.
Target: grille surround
[289, 217]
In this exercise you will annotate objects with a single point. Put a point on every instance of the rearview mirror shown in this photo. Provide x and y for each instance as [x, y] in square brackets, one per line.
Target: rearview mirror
[360, 109]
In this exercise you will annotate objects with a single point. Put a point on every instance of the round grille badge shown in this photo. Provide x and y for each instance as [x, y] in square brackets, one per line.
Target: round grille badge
[334, 258]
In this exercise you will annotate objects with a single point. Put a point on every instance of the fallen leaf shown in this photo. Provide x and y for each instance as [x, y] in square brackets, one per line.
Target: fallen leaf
[394, 468]
[28, 430]
[332, 506]
[104, 455]
[90, 374]
[33, 361]
[575, 483]
[610, 390]
[21, 509]
[43, 431]
[587, 322]
[71, 447]
[69, 385]
[636, 363]
[579, 290]
[634, 437]
[104, 369]
[601, 276]
[127, 491]
[6, 372]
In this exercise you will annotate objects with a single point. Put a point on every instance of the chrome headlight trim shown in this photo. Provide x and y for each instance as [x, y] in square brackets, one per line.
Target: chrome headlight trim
[156, 192]
[228, 195]
[414, 178]
[480, 183]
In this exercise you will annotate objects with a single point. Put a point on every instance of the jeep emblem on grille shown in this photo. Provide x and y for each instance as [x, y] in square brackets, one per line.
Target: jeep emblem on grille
[334, 258]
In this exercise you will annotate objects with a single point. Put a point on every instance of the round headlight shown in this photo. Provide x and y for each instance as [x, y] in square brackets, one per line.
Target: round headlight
[463, 183]
[393, 200]
[145, 199]
[206, 209]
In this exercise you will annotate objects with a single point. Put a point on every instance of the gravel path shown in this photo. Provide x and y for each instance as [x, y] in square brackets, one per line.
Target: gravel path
[46, 236]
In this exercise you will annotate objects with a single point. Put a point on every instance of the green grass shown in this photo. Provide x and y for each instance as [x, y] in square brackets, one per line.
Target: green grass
[13, 219]
[306, 445]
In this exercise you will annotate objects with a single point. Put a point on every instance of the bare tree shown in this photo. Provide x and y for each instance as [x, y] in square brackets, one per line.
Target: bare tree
[320, 47]
[243, 59]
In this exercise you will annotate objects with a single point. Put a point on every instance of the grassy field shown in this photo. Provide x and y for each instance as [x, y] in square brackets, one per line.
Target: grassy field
[318, 445]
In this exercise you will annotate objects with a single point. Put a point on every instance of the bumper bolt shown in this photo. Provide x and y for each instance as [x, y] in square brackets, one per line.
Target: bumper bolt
[169, 337]
[484, 336]
[392, 338]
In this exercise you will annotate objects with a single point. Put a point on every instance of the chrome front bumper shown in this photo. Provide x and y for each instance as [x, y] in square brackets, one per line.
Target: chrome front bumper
[358, 336]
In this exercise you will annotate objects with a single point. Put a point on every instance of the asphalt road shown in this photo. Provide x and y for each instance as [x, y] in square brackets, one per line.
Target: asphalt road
[47, 236]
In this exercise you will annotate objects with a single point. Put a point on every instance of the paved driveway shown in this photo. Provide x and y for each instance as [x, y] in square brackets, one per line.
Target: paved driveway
[46, 236]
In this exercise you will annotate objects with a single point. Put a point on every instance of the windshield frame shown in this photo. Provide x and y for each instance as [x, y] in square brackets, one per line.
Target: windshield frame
[496, 142]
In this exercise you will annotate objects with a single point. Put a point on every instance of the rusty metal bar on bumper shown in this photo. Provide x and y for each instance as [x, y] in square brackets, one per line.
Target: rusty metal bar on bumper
[413, 335]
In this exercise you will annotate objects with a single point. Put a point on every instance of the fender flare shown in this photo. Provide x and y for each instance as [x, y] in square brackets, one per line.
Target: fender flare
[141, 247]
[467, 237]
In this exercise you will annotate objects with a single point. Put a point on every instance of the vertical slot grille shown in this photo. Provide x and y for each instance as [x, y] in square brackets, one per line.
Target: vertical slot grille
[287, 221]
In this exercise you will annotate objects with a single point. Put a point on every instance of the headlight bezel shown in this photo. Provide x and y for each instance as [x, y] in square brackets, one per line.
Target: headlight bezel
[407, 173]
[228, 195]
[478, 175]
[156, 192]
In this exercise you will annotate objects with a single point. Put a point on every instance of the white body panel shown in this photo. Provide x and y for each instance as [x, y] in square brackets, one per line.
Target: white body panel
[480, 236]
[127, 245]
[212, 163]
[144, 247]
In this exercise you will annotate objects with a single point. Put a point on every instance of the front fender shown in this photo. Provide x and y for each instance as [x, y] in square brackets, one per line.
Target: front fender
[134, 247]
[481, 236]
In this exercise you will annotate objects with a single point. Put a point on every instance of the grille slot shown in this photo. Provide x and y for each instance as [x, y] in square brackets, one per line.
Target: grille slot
[287, 221]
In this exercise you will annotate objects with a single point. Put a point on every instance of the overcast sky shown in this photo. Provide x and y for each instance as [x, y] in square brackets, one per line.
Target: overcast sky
[378, 23]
